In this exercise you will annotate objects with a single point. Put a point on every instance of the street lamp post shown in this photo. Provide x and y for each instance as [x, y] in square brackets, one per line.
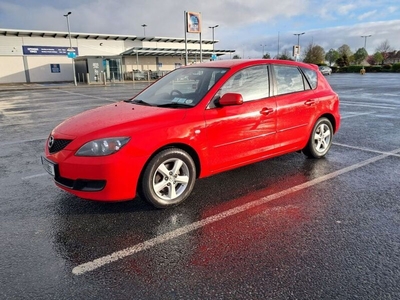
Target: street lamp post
[365, 40]
[70, 46]
[144, 29]
[298, 42]
[213, 28]
[262, 45]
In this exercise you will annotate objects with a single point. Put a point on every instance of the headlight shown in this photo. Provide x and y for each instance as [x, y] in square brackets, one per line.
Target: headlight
[102, 147]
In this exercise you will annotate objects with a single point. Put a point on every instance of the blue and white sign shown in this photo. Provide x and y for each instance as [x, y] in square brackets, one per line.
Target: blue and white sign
[71, 54]
[43, 50]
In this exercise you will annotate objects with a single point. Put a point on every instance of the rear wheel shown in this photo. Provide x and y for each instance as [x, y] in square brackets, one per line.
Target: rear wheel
[320, 140]
[168, 178]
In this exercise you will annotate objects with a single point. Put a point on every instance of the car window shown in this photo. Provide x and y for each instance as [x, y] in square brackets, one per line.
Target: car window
[311, 77]
[182, 87]
[252, 83]
[288, 79]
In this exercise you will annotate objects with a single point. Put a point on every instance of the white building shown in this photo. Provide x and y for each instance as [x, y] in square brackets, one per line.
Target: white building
[28, 56]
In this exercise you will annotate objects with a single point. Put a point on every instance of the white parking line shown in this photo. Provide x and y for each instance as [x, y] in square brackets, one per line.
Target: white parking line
[23, 141]
[89, 96]
[379, 104]
[368, 105]
[367, 149]
[352, 115]
[99, 262]
[34, 176]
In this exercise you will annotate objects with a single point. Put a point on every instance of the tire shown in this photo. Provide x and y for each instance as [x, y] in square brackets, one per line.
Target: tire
[320, 140]
[168, 178]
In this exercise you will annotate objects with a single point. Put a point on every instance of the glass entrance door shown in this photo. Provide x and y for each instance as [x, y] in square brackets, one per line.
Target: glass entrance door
[112, 68]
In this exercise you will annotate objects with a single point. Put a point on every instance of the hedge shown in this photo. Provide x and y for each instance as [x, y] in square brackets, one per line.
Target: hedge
[369, 69]
[396, 67]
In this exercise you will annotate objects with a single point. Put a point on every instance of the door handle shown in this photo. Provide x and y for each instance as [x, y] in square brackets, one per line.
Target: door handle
[266, 111]
[310, 102]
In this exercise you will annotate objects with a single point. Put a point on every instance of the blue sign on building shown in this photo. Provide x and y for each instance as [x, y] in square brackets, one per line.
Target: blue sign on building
[55, 68]
[44, 50]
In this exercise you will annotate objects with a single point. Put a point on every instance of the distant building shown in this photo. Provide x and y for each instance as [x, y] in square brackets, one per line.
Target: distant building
[28, 56]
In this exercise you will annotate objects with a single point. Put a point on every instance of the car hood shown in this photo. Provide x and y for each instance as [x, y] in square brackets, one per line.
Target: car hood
[115, 115]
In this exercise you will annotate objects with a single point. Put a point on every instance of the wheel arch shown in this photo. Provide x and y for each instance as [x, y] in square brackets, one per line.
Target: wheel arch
[331, 119]
[193, 154]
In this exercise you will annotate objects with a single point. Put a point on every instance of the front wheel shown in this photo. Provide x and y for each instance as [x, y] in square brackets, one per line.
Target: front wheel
[168, 178]
[320, 140]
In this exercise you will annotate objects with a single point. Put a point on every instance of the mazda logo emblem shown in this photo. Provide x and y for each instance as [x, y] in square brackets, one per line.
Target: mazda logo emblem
[50, 143]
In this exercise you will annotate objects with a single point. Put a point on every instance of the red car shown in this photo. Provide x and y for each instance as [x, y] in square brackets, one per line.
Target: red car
[194, 122]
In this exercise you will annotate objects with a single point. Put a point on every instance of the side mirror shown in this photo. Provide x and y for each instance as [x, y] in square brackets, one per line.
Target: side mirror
[231, 99]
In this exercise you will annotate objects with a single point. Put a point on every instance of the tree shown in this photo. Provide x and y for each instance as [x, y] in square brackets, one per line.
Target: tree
[236, 57]
[384, 48]
[344, 55]
[378, 57]
[345, 50]
[342, 61]
[331, 56]
[267, 56]
[360, 55]
[315, 54]
[285, 55]
[371, 60]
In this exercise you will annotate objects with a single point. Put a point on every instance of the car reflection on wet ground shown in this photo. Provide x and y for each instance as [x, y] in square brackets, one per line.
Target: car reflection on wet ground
[288, 227]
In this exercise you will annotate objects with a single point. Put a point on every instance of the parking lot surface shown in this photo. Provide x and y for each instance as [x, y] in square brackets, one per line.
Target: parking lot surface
[285, 228]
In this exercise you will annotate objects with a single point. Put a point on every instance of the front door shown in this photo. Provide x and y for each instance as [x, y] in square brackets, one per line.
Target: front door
[243, 133]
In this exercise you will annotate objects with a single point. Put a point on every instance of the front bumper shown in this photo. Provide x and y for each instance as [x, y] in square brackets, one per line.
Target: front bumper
[108, 178]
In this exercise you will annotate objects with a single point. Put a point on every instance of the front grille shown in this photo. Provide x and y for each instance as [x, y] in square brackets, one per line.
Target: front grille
[58, 145]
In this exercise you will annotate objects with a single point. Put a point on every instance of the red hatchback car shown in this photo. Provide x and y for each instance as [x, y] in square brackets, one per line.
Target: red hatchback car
[194, 122]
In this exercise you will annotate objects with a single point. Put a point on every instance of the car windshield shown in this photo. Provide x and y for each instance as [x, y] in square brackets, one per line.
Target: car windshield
[181, 88]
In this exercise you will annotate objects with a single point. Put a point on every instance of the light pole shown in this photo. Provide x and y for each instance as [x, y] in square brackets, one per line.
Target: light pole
[277, 53]
[263, 50]
[213, 28]
[70, 46]
[365, 40]
[298, 42]
[144, 29]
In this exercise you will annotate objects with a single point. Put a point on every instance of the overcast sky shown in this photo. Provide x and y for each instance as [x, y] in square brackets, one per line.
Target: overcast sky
[244, 25]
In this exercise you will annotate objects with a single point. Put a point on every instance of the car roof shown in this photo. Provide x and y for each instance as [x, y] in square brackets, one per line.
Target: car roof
[241, 63]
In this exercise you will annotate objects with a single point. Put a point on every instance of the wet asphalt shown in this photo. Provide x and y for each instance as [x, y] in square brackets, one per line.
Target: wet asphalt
[285, 228]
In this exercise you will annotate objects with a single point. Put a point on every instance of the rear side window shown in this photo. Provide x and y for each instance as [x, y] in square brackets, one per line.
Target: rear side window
[288, 79]
[311, 76]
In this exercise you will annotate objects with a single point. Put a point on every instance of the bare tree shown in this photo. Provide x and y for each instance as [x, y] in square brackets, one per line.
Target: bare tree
[384, 48]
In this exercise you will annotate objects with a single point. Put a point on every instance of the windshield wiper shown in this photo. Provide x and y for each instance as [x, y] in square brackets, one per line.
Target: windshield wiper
[175, 105]
[137, 101]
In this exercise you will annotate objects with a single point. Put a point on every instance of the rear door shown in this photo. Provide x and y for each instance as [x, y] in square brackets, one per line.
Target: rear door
[296, 107]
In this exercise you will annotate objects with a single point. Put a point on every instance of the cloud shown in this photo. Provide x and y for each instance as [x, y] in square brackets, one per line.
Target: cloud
[366, 15]
[244, 25]
[346, 9]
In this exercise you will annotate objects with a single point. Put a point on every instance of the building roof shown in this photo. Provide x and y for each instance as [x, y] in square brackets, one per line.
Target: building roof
[97, 36]
[142, 51]
[148, 51]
